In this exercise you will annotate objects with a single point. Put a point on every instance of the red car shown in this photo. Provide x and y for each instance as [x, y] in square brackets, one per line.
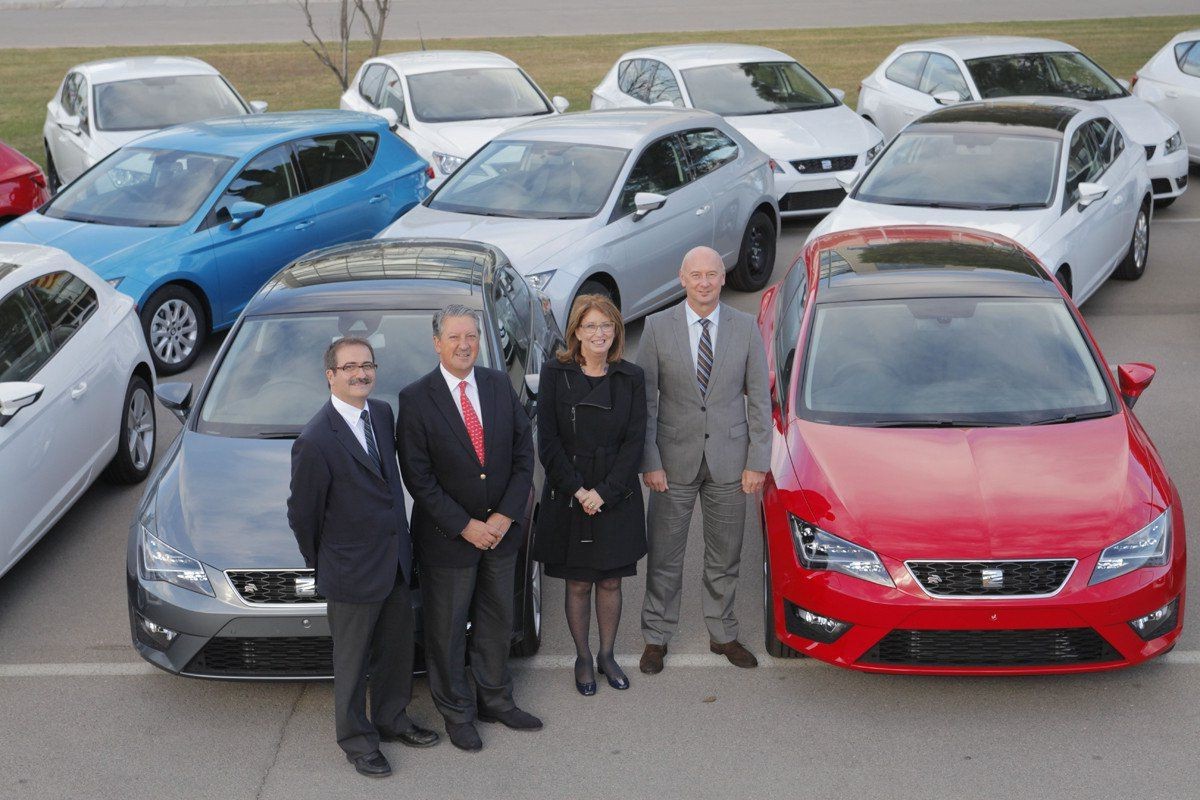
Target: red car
[958, 484]
[22, 184]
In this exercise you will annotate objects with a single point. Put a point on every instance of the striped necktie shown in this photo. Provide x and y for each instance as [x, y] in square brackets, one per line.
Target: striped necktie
[704, 357]
[369, 436]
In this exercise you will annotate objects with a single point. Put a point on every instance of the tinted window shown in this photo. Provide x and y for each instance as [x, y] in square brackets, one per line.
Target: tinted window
[368, 142]
[661, 169]
[626, 74]
[1109, 142]
[511, 304]
[906, 69]
[66, 303]
[269, 179]
[329, 159]
[462, 94]
[756, 88]
[159, 102]
[372, 80]
[942, 75]
[1084, 161]
[391, 94]
[790, 305]
[70, 93]
[663, 87]
[636, 78]
[25, 344]
[709, 149]
[1056, 74]
[1187, 56]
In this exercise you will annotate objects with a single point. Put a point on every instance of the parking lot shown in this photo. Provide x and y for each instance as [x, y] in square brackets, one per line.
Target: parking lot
[84, 717]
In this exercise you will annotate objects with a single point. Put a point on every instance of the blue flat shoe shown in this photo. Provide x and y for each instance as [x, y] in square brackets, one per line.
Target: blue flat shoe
[588, 688]
[615, 681]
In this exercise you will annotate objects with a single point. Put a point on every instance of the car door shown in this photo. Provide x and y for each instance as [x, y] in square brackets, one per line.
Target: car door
[349, 201]
[68, 146]
[49, 450]
[248, 254]
[941, 74]
[710, 153]
[656, 242]
[1181, 97]
[367, 89]
[904, 99]
[1085, 242]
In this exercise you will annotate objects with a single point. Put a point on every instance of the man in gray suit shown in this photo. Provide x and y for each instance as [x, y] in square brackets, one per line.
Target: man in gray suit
[708, 433]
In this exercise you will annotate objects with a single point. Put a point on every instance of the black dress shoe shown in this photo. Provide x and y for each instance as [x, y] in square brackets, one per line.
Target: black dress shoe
[514, 718]
[464, 737]
[373, 764]
[415, 736]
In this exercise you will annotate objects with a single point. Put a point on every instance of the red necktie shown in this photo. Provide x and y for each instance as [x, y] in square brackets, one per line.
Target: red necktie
[474, 429]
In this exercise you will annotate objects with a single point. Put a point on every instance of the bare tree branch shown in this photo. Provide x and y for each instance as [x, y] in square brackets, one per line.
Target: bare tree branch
[346, 14]
[375, 25]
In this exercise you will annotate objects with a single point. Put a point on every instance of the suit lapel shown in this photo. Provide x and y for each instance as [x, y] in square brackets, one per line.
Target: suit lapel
[448, 406]
[721, 342]
[348, 440]
[488, 389]
[384, 440]
[683, 343]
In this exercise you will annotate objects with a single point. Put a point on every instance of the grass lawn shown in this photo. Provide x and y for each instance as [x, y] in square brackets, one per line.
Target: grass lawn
[289, 76]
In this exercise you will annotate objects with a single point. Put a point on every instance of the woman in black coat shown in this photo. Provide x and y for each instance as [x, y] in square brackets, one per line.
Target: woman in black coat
[591, 528]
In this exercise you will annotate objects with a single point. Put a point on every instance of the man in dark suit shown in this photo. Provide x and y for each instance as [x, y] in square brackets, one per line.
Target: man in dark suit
[346, 510]
[467, 456]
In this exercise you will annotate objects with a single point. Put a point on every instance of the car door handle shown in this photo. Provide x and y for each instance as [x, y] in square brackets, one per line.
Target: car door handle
[704, 209]
[79, 391]
[908, 112]
[302, 225]
[1172, 95]
[379, 198]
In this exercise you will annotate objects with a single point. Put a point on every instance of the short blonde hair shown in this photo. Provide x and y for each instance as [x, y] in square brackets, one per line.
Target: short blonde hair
[579, 309]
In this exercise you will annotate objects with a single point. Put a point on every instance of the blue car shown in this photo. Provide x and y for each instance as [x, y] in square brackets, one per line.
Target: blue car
[192, 220]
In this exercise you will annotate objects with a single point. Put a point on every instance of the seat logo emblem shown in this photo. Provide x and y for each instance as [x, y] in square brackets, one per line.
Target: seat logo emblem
[826, 163]
[934, 580]
[306, 587]
[993, 579]
[251, 588]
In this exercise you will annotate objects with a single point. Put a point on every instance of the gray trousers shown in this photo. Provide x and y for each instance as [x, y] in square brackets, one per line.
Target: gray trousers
[484, 594]
[669, 517]
[375, 640]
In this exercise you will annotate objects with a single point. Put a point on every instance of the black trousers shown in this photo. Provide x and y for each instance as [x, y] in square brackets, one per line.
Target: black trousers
[374, 639]
[448, 596]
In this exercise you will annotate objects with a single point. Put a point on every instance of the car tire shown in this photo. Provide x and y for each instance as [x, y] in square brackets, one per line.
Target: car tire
[52, 180]
[138, 434]
[1133, 266]
[531, 612]
[756, 258]
[594, 287]
[1064, 277]
[775, 648]
[175, 326]
[1164, 202]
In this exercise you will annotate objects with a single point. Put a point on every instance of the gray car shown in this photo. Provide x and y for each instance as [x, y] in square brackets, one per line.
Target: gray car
[217, 587]
[609, 202]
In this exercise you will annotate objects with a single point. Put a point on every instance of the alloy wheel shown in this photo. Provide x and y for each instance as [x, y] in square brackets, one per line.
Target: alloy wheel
[139, 429]
[1141, 240]
[173, 331]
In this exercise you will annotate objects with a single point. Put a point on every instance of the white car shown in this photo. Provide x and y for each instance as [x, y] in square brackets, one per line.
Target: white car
[609, 202]
[75, 391]
[920, 76]
[447, 103]
[766, 95]
[104, 105]
[1170, 82]
[1059, 176]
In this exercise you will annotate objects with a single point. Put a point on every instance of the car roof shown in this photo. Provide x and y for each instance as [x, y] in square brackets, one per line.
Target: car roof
[21, 263]
[124, 69]
[969, 47]
[686, 56]
[417, 61]
[1054, 114]
[619, 127]
[242, 134]
[410, 273]
[893, 262]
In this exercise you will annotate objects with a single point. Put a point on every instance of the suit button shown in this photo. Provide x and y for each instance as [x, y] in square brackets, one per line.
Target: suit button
[702, 408]
[706, 436]
[483, 476]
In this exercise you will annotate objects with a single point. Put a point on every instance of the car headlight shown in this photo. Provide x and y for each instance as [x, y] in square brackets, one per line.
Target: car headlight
[818, 549]
[158, 561]
[1149, 547]
[540, 280]
[778, 170]
[115, 282]
[1174, 143]
[447, 163]
[874, 151]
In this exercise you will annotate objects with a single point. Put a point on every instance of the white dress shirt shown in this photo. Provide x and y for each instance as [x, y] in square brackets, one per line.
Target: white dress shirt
[695, 329]
[472, 392]
[353, 417]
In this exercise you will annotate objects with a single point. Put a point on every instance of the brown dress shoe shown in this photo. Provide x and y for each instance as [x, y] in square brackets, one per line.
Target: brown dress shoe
[738, 655]
[651, 662]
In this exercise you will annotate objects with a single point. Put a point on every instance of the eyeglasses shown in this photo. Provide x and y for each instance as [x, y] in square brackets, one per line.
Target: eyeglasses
[350, 369]
[601, 327]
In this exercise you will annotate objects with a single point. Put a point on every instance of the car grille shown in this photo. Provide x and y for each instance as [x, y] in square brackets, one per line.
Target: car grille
[262, 587]
[1150, 151]
[264, 657]
[813, 166]
[1019, 648]
[1161, 185]
[991, 578]
[809, 201]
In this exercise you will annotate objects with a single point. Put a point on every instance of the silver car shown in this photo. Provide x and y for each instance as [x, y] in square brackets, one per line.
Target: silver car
[609, 202]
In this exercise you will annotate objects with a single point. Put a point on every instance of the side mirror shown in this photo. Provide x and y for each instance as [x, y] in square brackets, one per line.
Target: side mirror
[71, 124]
[15, 395]
[176, 397]
[647, 202]
[258, 106]
[1090, 193]
[846, 179]
[946, 98]
[393, 119]
[840, 94]
[243, 211]
[560, 103]
[1133, 379]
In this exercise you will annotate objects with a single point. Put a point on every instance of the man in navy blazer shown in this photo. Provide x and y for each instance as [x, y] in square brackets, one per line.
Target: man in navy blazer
[346, 510]
[466, 452]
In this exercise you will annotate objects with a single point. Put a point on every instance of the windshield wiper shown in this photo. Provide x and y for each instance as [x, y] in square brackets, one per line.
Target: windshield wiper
[277, 434]
[1012, 206]
[936, 423]
[1072, 418]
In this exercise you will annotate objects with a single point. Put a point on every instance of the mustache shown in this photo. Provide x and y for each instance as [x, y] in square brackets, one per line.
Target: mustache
[361, 381]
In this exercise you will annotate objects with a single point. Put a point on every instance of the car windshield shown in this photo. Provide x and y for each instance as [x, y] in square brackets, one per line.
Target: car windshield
[140, 187]
[968, 361]
[153, 103]
[964, 169]
[760, 87]
[271, 381]
[1056, 74]
[462, 94]
[533, 180]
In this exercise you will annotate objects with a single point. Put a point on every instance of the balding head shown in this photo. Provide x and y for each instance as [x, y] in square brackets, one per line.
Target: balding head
[702, 275]
[701, 256]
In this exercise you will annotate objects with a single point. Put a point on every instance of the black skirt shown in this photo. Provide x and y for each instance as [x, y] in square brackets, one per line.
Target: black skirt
[575, 572]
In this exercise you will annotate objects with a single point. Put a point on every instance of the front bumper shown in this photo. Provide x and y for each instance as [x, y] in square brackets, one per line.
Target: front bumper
[801, 194]
[1168, 173]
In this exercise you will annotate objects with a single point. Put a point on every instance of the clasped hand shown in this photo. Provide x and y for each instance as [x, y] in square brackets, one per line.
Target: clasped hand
[590, 500]
[487, 534]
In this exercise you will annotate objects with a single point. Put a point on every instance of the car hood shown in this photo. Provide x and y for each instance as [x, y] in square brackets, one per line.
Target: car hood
[984, 493]
[1144, 123]
[464, 138]
[107, 249]
[224, 501]
[1023, 226]
[528, 243]
[836, 131]
[115, 140]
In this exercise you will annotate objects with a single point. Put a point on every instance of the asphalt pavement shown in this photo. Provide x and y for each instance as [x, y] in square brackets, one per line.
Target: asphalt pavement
[84, 717]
